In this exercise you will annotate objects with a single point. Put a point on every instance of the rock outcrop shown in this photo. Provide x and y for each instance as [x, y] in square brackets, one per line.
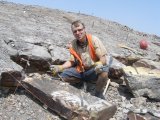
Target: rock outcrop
[33, 38]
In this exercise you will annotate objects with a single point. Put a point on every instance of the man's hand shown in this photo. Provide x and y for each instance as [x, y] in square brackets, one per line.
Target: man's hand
[98, 66]
[55, 69]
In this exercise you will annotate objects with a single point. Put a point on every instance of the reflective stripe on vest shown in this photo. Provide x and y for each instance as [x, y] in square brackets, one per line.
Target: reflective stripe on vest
[80, 66]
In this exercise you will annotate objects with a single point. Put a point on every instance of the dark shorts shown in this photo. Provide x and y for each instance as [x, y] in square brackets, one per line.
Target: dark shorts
[87, 75]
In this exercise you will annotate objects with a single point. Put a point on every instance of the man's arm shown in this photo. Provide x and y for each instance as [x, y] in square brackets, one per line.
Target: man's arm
[103, 60]
[67, 64]
[100, 50]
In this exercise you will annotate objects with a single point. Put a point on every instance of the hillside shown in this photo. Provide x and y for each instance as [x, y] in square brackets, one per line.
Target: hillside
[39, 35]
[51, 26]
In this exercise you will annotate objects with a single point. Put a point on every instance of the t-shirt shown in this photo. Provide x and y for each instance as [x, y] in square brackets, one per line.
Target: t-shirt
[83, 51]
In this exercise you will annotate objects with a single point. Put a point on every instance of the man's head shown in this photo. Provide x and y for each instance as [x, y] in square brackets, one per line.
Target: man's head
[78, 29]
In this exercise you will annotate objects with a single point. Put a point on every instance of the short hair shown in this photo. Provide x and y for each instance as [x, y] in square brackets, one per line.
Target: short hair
[76, 23]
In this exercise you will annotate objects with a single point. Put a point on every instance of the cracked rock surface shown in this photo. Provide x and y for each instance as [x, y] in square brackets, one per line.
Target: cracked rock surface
[33, 37]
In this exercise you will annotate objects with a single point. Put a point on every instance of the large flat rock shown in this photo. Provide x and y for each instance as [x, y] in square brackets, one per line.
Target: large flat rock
[68, 101]
[143, 81]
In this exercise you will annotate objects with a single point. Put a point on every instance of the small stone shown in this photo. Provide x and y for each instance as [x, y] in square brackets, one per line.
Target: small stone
[5, 117]
[23, 104]
[18, 109]
[40, 110]
[114, 84]
[22, 112]
[125, 110]
[128, 106]
[123, 98]
[112, 119]
[45, 106]
[12, 118]
[138, 101]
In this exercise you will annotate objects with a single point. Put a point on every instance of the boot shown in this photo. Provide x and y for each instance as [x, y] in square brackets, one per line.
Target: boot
[100, 84]
[100, 95]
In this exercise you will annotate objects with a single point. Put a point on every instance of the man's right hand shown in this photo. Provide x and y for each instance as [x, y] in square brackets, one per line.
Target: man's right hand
[98, 66]
[55, 69]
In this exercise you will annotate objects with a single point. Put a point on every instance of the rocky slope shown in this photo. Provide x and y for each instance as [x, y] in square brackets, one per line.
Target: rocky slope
[27, 31]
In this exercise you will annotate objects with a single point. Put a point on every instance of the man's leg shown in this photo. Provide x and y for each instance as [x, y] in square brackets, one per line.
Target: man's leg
[88, 77]
[72, 80]
[71, 75]
[100, 84]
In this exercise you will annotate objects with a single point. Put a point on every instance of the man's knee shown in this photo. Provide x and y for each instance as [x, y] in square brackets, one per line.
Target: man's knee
[103, 75]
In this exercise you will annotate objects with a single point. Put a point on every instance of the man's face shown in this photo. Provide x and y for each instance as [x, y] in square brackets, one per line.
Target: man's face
[79, 32]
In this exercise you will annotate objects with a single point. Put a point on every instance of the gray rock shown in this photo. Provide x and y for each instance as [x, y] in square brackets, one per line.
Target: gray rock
[147, 63]
[144, 86]
[23, 27]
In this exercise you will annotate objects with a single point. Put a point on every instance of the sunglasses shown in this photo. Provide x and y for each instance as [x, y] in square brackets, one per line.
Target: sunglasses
[78, 30]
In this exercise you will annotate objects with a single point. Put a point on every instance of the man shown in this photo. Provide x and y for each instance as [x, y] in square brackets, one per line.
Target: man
[88, 55]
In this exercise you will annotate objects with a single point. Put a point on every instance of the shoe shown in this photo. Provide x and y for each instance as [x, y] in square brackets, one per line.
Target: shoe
[100, 95]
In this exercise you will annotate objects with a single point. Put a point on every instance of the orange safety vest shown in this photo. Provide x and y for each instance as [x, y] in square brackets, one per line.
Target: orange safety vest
[80, 66]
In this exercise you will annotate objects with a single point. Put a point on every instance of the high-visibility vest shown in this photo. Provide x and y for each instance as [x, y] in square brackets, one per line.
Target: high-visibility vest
[80, 66]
